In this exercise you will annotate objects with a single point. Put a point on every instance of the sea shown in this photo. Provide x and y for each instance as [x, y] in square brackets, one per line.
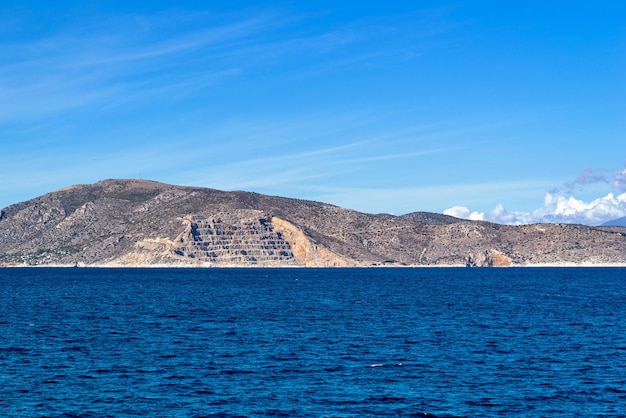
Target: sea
[294, 342]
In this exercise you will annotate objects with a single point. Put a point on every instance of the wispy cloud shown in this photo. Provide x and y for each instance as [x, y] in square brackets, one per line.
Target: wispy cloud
[586, 177]
[619, 180]
[67, 71]
[417, 198]
[151, 59]
[108, 65]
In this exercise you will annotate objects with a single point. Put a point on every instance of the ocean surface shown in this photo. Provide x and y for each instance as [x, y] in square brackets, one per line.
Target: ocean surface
[423, 342]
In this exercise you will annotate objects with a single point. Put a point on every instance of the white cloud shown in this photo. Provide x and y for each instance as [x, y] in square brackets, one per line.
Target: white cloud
[458, 212]
[556, 209]
[500, 215]
[559, 208]
[464, 213]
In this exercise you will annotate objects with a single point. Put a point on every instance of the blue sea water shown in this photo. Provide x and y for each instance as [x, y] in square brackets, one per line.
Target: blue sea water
[313, 342]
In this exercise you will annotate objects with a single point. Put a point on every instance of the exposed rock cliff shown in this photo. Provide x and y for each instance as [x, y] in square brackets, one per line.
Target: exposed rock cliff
[137, 223]
[490, 258]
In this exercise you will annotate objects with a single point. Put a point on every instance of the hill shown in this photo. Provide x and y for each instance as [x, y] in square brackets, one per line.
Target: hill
[616, 222]
[145, 223]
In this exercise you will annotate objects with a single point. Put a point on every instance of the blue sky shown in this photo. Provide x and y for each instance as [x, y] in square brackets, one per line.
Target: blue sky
[506, 111]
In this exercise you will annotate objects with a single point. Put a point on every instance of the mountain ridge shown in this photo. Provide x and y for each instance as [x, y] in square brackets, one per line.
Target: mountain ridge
[616, 222]
[147, 223]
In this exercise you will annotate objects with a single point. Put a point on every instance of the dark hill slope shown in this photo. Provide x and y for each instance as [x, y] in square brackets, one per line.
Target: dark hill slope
[616, 222]
[139, 222]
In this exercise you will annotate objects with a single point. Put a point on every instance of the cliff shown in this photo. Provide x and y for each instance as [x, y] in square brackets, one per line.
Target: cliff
[145, 223]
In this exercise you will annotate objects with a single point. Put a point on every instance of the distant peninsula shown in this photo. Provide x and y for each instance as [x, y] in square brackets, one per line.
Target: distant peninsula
[141, 223]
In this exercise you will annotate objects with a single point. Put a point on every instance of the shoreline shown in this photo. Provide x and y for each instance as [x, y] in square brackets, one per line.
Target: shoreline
[417, 266]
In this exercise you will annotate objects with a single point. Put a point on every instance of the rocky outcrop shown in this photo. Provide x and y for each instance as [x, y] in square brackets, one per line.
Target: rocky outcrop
[144, 223]
[307, 252]
[489, 258]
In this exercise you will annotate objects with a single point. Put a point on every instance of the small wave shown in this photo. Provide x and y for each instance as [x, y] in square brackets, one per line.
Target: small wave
[50, 381]
[287, 357]
[14, 350]
[236, 371]
[77, 415]
[614, 390]
[279, 413]
[149, 370]
[167, 356]
[174, 377]
[385, 399]
[204, 392]
[76, 348]
[550, 360]
[488, 402]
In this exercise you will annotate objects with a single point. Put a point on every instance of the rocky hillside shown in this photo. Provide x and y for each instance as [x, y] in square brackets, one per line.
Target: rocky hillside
[140, 223]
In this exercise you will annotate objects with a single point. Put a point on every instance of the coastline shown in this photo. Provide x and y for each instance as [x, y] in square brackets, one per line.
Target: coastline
[416, 266]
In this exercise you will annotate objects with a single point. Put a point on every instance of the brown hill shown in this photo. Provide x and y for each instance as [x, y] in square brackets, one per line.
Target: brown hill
[143, 223]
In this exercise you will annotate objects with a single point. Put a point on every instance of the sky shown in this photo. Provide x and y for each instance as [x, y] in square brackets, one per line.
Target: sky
[507, 111]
